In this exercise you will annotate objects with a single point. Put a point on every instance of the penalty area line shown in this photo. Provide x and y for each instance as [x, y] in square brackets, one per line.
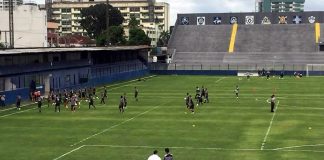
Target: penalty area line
[269, 128]
[116, 125]
[67, 153]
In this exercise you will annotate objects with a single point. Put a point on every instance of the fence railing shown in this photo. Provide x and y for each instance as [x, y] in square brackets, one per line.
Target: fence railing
[236, 67]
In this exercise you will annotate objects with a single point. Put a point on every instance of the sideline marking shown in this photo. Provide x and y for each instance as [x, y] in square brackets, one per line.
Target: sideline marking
[116, 125]
[311, 145]
[67, 153]
[11, 108]
[6, 115]
[269, 128]
[189, 148]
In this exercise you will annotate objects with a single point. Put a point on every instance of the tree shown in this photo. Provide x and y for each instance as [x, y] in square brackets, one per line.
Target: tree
[2, 45]
[114, 36]
[94, 19]
[133, 23]
[136, 35]
[164, 38]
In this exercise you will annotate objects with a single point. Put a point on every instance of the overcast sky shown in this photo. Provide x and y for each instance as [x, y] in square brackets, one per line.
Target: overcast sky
[220, 6]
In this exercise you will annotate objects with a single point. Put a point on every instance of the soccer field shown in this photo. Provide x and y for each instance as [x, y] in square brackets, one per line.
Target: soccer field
[226, 128]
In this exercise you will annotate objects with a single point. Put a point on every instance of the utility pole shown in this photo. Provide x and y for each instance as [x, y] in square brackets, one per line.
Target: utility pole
[107, 20]
[11, 26]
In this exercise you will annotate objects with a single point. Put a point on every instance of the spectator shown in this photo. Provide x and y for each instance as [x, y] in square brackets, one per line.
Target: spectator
[168, 155]
[154, 156]
[2, 100]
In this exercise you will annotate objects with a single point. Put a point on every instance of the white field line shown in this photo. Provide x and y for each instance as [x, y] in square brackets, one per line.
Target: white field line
[11, 108]
[17, 112]
[269, 128]
[312, 145]
[199, 148]
[116, 125]
[36, 107]
[220, 79]
[187, 148]
[67, 153]
[127, 83]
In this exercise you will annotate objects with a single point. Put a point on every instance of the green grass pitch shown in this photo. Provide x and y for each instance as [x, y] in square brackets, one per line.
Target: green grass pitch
[225, 128]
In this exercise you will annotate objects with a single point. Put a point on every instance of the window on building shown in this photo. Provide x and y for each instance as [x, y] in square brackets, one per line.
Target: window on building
[158, 8]
[158, 14]
[64, 16]
[65, 29]
[136, 15]
[122, 8]
[66, 10]
[145, 8]
[134, 9]
[66, 22]
[56, 9]
[145, 20]
[124, 14]
[77, 15]
[77, 9]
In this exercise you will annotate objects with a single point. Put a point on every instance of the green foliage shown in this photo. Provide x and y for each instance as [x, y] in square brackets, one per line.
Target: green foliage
[133, 23]
[94, 19]
[164, 38]
[2, 45]
[138, 37]
[114, 36]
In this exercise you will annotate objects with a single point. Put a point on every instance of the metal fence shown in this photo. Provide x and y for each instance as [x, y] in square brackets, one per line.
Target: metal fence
[237, 67]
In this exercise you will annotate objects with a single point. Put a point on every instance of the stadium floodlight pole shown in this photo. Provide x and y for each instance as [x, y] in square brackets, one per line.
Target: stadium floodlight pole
[11, 26]
[107, 20]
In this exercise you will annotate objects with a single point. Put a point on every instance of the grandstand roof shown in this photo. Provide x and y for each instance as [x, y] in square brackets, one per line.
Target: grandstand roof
[54, 50]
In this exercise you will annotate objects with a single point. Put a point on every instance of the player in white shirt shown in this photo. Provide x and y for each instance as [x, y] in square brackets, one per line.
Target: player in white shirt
[154, 156]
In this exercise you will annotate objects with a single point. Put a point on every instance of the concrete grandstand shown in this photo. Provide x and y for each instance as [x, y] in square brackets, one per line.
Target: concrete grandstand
[286, 39]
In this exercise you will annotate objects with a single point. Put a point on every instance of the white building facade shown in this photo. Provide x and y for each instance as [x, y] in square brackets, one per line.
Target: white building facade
[30, 27]
[4, 4]
[67, 13]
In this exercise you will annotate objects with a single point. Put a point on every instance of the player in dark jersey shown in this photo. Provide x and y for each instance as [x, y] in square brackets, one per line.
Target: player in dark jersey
[236, 91]
[73, 103]
[18, 102]
[168, 155]
[136, 94]
[121, 104]
[206, 96]
[125, 101]
[273, 102]
[91, 102]
[268, 75]
[199, 100]
[102, 98]
[58, 102]
[187, 100]
[94, 91]
[197, 92]
[202, 94]
[39, 104]
[191, 105]
[105, 92]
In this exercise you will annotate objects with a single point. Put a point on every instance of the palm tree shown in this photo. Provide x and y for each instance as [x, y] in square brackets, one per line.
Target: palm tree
[164, 38]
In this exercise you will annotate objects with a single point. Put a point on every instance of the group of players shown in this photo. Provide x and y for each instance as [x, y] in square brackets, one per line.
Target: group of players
[200, 97]
[74, 98]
